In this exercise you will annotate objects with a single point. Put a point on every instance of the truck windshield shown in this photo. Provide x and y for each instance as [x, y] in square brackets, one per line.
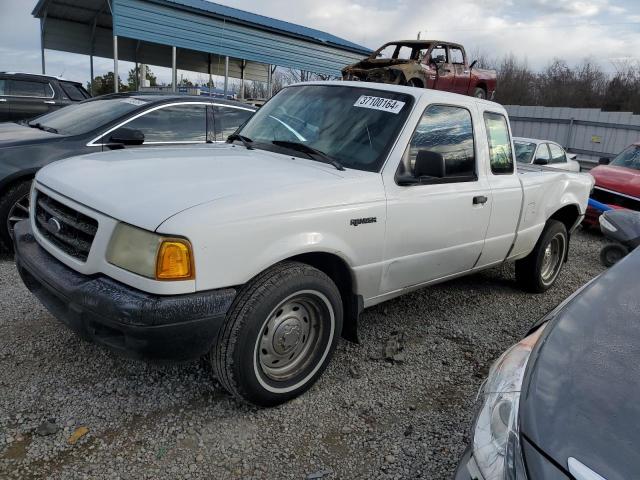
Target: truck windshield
[524, 151]
[628, 158]
[83, 117]
[354, 126]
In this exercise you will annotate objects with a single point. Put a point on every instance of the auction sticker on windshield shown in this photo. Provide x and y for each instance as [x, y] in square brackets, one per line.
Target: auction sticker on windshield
[379, 103]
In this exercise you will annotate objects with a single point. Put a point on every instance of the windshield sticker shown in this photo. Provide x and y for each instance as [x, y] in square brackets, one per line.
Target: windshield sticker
[379, 103]
[134, 101]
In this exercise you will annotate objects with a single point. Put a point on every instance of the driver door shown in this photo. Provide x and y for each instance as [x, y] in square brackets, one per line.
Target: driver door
[445, 76]
[436, 228]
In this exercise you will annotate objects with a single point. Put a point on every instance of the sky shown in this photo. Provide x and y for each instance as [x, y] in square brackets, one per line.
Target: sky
[607, 31]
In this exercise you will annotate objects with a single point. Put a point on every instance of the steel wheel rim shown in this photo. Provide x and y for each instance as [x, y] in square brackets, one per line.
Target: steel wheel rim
[552, 259]
[291, 336]
[19, 211]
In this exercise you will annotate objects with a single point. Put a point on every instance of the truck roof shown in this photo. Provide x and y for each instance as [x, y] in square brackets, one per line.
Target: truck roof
[426, 43]
[432, 96]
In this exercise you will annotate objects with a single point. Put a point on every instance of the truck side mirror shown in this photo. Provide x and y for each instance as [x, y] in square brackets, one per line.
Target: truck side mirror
[604, 161]
[126, 136]
[541, 161]
[429, 164]
[473, 64]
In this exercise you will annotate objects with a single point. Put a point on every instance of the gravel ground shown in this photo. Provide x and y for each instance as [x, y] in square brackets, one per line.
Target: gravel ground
[365, 418]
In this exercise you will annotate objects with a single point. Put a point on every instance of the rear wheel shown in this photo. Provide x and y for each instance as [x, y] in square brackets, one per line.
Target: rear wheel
[414, 82]
[480, 93]
[538, 271]
[14, 207]
[612, 253]
[279, 335]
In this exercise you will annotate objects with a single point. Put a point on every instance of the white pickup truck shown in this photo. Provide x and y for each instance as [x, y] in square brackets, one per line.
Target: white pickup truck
[262, 252]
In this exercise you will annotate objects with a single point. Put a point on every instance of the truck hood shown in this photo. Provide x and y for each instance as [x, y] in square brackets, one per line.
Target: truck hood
[369, 63]
[582, 383]
[619, 179]
[144, 187]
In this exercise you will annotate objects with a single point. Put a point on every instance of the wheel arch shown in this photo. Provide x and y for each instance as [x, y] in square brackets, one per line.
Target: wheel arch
[569, 216]
[336, 268]
[17, 177]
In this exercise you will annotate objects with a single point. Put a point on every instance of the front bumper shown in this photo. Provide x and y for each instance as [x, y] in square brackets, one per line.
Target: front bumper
[109, 313]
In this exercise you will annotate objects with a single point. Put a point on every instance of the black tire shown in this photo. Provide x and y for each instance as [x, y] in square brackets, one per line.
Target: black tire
[532, 272]
[13, 203]
[480, 93]
[612, 253]
[239, 359]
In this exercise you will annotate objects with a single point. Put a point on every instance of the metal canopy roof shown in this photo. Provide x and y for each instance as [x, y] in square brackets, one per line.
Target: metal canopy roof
[203, 32]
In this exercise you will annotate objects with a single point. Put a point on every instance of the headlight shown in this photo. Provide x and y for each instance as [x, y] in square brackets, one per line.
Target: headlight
[496, 445]
[150, 255]
[606, 224]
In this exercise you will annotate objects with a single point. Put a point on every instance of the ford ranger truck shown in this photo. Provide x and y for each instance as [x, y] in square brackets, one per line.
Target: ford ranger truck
[260, 253]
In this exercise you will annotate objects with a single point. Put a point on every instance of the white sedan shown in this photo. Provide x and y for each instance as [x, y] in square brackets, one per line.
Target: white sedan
[544, 152]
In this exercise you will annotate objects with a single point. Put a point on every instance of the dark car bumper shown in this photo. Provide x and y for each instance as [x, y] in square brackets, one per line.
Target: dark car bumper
[129, 321]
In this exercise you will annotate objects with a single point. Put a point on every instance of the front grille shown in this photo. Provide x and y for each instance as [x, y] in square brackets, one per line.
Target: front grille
[612, 198]
[66, 228]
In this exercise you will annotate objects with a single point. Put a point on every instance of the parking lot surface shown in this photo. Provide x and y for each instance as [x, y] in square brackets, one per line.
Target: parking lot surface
[398, 405]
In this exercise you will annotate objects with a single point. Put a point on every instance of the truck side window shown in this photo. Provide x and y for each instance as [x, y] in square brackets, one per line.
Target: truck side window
[557, 154]
[456, 56]
[438, 55]
[499, 143]
[446, 130]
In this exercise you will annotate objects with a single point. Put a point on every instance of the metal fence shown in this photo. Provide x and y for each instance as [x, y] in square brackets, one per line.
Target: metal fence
[588, 132]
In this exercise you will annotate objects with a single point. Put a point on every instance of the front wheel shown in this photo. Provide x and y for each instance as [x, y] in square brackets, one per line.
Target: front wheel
[279, 335]
[538, 271]
[14, 207]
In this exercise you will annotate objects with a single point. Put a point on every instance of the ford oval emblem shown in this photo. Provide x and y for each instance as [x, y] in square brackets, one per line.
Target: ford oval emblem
[54, 225]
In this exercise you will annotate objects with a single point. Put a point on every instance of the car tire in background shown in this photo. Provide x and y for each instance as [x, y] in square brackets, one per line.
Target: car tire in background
[612, 253]
[14, 206]
[279, 335]
[480, 93]
[538, 271]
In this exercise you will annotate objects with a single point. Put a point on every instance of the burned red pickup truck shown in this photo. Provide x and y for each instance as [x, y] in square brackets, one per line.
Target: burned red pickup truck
[425, 64]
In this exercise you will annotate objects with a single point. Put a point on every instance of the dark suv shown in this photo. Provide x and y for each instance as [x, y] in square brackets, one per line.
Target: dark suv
[24, 96]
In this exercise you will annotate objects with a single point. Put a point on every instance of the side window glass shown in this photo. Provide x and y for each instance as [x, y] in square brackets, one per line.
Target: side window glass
[557, 154]
[542, 155]
[456, 56]
[178, 123]
[24, 88]
[227, 120]
[72, 91]
[500, 153]
[438, 55]
[442, 145]
[2, 86]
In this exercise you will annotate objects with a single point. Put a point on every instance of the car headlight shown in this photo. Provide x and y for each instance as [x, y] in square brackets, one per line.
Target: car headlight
[606, 224]
[151, 255]
[496, 445]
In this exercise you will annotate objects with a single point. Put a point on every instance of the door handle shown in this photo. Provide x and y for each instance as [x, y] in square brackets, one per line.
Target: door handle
[480, 200]
[3, 99]
[51, 102]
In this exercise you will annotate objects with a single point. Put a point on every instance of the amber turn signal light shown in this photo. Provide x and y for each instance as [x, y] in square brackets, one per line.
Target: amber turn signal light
[175, 261]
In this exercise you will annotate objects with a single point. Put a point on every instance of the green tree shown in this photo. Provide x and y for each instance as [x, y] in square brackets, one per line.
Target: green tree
[132, 78]
[103, 84]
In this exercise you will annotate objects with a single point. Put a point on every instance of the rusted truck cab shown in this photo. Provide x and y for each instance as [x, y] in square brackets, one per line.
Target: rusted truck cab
[425, 64]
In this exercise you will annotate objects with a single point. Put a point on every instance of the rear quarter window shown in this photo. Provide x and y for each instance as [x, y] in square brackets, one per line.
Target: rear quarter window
[500, 152]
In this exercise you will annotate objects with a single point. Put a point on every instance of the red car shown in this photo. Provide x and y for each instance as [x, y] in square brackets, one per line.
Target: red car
[617, 182]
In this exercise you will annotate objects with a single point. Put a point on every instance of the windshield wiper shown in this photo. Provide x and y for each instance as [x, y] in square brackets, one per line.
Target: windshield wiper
[40, 126]
[309, 150]
[246, 141]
